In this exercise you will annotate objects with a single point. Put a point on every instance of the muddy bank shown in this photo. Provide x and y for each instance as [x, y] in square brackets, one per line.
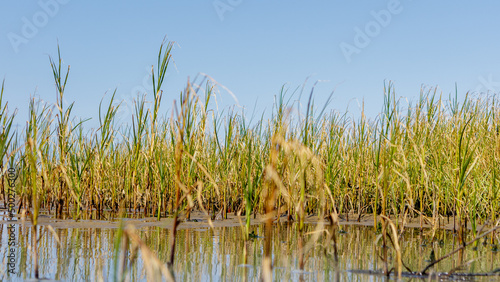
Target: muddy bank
[199, 219]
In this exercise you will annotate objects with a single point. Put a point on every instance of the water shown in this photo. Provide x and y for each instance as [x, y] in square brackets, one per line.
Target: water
[221, 254]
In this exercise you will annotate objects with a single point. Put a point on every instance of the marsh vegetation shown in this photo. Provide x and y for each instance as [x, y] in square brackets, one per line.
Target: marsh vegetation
[434, 160]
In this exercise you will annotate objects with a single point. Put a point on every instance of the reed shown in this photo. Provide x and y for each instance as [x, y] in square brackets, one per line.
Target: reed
[37, 132]
[63, 130]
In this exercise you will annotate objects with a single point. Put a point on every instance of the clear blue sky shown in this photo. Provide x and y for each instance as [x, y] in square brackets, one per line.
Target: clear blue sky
[250, 47]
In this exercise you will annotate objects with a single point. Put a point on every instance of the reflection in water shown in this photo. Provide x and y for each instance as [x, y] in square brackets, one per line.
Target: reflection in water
[221, 254]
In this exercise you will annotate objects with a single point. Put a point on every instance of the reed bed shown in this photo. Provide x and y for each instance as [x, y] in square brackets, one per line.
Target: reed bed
[432, 159]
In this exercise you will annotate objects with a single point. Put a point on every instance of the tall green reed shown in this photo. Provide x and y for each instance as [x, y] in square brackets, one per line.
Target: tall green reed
[63, 128]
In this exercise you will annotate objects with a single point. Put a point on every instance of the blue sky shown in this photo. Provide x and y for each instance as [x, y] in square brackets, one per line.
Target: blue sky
[250, 47]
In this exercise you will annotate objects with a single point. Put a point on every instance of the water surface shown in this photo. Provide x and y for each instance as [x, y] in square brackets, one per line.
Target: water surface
[221, 254]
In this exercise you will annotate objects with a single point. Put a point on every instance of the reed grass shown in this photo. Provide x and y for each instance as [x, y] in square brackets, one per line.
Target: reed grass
[432, 159]
[6, 138]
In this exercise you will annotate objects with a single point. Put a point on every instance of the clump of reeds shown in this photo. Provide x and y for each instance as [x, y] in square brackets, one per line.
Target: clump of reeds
[6, 138]
[435, 159]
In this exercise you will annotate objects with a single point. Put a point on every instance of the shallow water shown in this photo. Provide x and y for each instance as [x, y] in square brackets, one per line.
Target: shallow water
[221, 254]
